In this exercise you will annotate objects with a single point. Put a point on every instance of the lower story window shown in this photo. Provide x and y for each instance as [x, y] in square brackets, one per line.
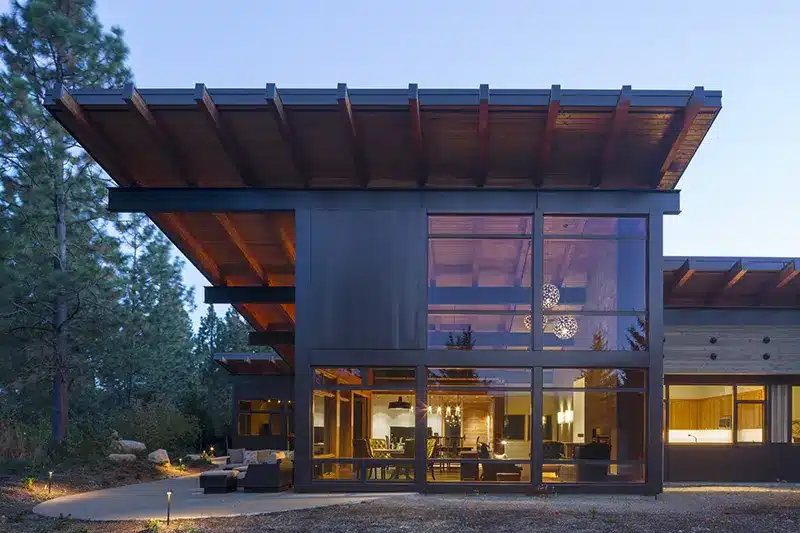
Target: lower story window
[260, 418]
[704, 414]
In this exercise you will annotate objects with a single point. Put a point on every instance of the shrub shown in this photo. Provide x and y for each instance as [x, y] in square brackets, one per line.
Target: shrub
[152, 526]
[159, 424]
[28, 482]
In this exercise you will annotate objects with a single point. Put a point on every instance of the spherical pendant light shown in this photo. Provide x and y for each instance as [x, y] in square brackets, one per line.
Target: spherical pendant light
[565, 327]
[550, 296]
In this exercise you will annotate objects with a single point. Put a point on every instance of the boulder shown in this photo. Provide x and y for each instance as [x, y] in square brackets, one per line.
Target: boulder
[193, 459]
[129, 446]
[122, 457]
[159, 457]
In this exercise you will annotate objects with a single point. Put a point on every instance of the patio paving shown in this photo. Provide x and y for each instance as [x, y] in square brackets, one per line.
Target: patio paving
[144, 501]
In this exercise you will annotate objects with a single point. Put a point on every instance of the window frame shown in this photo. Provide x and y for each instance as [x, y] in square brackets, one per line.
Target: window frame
[284, 409]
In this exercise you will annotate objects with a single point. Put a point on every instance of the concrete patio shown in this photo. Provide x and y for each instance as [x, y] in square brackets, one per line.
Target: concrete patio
[144, 501]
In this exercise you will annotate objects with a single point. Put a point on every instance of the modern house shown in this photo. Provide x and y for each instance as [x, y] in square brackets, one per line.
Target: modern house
[465, 288]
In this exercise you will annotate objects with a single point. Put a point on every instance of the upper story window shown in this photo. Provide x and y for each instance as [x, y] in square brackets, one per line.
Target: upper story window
[594, 283]
[479, 282]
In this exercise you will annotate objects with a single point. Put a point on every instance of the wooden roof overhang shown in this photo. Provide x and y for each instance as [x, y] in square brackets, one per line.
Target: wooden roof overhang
[261, 364]
[731, 282]
[406, 138]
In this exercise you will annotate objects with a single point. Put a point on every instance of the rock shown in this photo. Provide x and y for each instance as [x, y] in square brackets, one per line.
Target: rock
[193, 459]
[122, 457]
[159, 457]
[129, 446]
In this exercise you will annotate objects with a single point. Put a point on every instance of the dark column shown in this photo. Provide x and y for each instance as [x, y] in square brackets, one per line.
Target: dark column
[536, 425]
[655, 382]
[303, 379]
[631, 275]
[421, 429]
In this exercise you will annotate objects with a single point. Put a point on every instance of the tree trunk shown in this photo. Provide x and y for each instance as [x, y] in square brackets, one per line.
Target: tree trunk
[60, 369]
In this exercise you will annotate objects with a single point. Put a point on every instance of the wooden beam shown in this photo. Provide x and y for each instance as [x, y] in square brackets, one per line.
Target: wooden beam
[553, 108]
[618, 120]
[258, 294]
[785, 276]
[229, 145]
[679, 278]
[244, 249]
[676, 132]
[158, 133]
[270, 338]
[732, 277]
[275, 104]
[351, 131]
[483, 137]
[417, 140]
[287, 244]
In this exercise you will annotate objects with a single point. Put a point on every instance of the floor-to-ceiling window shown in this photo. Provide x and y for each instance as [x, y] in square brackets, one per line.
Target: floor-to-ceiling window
[363, 424]
[795, 416]
[479, 425]
[479, 282]
[593, 425]
[594, 281]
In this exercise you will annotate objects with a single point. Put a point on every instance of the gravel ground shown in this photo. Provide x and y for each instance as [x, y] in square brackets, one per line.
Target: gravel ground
[688, 510]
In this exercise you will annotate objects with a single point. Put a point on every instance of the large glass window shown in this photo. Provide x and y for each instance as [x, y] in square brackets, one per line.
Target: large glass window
[594, 283]
[479, 425]
[264, 418]
[479, 282]
[704, 414]
[795, 429]
[593, 425]
[363, 424]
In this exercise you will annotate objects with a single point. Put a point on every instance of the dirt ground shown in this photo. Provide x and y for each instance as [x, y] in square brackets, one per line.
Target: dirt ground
[18, 496]
[687, 510]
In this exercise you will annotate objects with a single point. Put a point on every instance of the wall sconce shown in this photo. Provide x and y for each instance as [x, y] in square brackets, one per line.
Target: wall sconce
[560, 417]
[569, 416]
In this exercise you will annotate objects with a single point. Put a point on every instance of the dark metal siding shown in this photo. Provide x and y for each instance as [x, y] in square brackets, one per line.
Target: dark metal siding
[368, 279]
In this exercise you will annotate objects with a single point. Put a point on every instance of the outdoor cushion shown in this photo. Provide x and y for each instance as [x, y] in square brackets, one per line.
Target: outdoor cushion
[274, 457]
[263, 455]
[236, 456]
[250, 457]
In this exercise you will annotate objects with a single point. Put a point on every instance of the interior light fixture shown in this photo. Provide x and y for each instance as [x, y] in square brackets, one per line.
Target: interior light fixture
[565, 327]
[550, 296]
[399, 404]
[569, 416]
[560, 417]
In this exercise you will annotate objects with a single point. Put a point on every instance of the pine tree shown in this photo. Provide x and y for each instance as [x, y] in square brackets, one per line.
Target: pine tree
[56, 272]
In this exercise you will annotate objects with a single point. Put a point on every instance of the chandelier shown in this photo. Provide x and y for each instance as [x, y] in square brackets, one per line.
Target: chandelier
[550, 296]
[565, 327]
[529, 319]
[452, 416]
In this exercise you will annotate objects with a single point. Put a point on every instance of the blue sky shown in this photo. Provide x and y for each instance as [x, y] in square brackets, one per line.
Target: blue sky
[740, 193]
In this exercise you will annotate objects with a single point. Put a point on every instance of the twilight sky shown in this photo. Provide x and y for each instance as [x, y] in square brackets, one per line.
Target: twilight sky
[739, 194]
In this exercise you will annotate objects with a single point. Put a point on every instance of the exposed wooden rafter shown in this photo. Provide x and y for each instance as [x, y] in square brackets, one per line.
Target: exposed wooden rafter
[359, 161]
[158, 134]
[680, 278]
[615, 131]
[732, 277]
[224, 136]
[785, 276]
[543, 161]
[273, 98]
[417, 140]
[483, 137]
[288, 245]
[676, 132]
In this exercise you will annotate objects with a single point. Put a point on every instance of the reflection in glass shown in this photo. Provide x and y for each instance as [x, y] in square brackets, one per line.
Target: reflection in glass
[461, 331]
[594, 378]
[613, 227]
[587, 472]
[597, 275]
[479, 377]
[599, 333]
[480, 225]
[700, 414]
